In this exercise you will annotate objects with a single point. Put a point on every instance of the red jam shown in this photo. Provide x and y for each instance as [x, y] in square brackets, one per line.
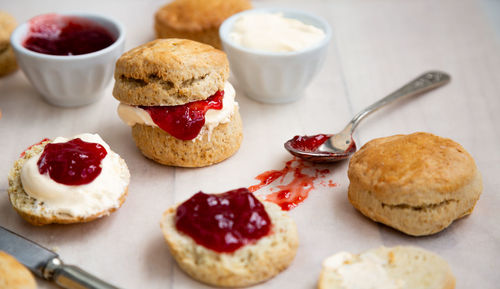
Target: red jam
[309, 143]
[184, 121]
[64, 35]
[303, 179]
[223, 222]
[75, 162]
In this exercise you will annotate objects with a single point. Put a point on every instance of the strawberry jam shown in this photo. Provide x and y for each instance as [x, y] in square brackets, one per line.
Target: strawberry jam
[184, 121]
[75, 162]
[223, 222]
[309, 143]
[64, 35]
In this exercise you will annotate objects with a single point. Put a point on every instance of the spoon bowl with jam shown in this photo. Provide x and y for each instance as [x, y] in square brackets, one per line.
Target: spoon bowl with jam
[326, 148]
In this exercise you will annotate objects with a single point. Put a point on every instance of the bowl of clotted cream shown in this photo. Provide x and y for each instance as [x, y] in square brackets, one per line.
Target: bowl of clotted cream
[275, 53]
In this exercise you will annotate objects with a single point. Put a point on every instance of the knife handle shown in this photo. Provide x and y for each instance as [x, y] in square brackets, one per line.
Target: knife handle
[72, 277]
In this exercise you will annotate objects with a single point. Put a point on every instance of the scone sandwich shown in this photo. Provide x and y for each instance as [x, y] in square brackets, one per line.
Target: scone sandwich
[197, 20]
[230, 239]
[8, 62]
[418, 183]
[175, 95]
[402, 267]
[68, 181]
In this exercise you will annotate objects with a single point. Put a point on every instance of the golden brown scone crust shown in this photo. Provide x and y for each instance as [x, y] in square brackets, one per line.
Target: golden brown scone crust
[417, 183]
[249, 265]
[169, 72]
[33, 211]
[13, 275]
[211, 148]
[197, 20]
[8, 62]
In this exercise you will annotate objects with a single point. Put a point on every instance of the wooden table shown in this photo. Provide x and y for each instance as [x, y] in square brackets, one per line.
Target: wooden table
[377, 45]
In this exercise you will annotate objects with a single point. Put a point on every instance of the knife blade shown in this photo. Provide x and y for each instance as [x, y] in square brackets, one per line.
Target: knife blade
[46, 264]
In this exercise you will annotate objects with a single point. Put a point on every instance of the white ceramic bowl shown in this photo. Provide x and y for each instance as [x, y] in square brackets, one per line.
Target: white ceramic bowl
[275, 77]
[73, 80]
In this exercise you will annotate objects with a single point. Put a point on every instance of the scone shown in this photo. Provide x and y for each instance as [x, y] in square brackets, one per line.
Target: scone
[175, 95]
[13, 275]
[418, 183]
[68, 181]
[230, 239]
[8, 62]
[402, 267]
[197, 20]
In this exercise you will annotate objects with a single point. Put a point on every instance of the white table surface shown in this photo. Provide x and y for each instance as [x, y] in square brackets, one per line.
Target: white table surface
[377, 46]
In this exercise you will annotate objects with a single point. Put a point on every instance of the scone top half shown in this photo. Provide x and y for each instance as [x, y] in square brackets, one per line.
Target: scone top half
[168, 72]
[198, 15]
[415, 170]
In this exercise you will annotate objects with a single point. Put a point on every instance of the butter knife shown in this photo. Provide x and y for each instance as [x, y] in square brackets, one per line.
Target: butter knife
[46, 264]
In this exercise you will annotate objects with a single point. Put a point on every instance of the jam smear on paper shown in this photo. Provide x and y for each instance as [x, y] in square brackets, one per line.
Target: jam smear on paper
[66, 35]
[223, 222]
[184, 121]
[288, 195]
[75, 162]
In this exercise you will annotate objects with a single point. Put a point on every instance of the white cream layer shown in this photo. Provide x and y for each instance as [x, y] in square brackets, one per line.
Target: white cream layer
[133, 114]
[365, 272]
[274, 33]
[103, 193]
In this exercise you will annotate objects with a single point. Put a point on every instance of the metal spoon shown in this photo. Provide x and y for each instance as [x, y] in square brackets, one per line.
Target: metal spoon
[341, 145]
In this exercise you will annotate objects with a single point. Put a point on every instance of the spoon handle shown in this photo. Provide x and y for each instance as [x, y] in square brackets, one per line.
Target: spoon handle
[421, 84]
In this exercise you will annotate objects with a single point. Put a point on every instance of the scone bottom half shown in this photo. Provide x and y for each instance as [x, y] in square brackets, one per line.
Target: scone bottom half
[209, 148]
[247, 265]
[418, 183]
[39, 212]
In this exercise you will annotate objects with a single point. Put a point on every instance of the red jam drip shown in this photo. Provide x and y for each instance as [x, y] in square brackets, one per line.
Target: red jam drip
[309, 143]
[184, 121]
[73, 163]
[223, 222]
[64, 35]
[303, 179]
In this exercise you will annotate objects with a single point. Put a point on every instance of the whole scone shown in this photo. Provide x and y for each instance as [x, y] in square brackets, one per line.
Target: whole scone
[13, 275]
[8, 62]
[107, 195]
[418, 183]
[251, 264]
[197, 20]
[178, 74]
[401, 267]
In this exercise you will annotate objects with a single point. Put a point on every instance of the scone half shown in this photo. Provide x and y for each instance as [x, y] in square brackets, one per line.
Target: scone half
[248, 265]
[13, 275]
[208, 148]
[387, 268]
[38, 213]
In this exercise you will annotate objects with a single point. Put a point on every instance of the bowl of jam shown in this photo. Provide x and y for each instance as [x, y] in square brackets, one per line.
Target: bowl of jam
[69, 58]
